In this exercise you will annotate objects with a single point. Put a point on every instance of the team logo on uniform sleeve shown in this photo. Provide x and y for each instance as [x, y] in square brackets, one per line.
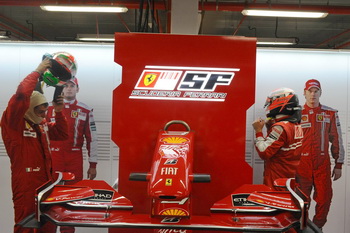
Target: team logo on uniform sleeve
[183, 83]
[93, 126]
[275, 133]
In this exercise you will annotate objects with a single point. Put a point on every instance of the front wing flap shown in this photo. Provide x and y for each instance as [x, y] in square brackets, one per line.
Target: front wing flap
[224, 217]
[235, 213]
[278, 222]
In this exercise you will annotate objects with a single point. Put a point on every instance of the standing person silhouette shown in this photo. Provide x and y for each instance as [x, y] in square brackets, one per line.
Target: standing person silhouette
[26, 136]
[321, 128]
[67, 156]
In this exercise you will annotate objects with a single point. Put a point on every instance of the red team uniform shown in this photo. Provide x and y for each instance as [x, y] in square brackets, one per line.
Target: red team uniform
[281, 148]
[280, 151]
[321, 126]
[67, 156]
[27, 145]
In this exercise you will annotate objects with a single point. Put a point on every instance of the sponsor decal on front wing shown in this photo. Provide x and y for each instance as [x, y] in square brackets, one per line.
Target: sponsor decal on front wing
[174, 212]
[102, 195]
[171, 231]
[241, 200]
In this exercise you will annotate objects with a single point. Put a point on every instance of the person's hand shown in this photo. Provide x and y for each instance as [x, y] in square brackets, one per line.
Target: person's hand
[91, 173]
[258, 125]
[58, 104]
[336, 173]
[269, 123]
[44, 65]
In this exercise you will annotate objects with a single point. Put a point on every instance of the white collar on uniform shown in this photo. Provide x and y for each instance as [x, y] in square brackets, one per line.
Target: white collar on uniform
[69, 101]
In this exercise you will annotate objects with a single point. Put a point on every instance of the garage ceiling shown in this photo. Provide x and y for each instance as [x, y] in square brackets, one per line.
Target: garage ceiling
[25, 21]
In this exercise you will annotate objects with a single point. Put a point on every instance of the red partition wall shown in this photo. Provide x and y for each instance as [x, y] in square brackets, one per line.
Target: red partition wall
[206, 81]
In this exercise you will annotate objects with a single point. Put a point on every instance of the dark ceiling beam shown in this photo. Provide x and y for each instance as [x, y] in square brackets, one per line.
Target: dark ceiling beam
[16, 32]
[332, 38]
[344, 45]
[18, 25]
[206, 6]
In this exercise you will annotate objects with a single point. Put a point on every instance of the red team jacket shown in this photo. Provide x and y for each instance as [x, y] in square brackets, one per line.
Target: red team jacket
[27, 146]
[81, 126]
[321, 126]
[280, 150]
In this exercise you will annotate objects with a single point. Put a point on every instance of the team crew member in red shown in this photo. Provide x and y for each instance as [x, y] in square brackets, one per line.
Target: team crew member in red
[321, 126]
[67, 155]
[281, 148]
[26, 137]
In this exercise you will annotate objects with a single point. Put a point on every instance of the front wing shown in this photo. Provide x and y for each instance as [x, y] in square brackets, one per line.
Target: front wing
[250, 208]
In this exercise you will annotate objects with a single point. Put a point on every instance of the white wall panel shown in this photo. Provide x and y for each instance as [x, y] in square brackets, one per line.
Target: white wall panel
[98, 75]
[292, 68]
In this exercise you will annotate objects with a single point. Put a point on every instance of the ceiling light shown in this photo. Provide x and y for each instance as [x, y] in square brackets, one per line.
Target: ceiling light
[5, 34]
[276, 41]
[284, 13]
[82, 8]
[95, 37]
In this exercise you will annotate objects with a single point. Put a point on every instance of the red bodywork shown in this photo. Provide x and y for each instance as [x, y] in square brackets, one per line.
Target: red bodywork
[171, 174]
[190, 63]
[169, 184]
[248, 208]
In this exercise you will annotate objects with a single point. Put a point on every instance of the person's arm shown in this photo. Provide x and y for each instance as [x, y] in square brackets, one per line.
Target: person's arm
[268, 147]
[58, 130]
[91, 145]
[19, 102]
[337, 147]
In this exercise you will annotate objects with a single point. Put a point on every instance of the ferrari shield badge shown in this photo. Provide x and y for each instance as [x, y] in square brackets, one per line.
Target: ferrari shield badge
[149, 79]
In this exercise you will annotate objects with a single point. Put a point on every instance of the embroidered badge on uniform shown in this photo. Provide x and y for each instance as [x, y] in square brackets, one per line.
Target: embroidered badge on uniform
[298, 132]
[306, 125]
[74, 114]
[319, 117]
[27, 133]
[27, 126]
[275, 132]
[304, 118]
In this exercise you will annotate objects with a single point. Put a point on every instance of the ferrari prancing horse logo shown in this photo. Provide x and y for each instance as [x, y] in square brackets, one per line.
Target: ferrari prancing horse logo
[168, 182]
[149, 79]
[74, 114]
